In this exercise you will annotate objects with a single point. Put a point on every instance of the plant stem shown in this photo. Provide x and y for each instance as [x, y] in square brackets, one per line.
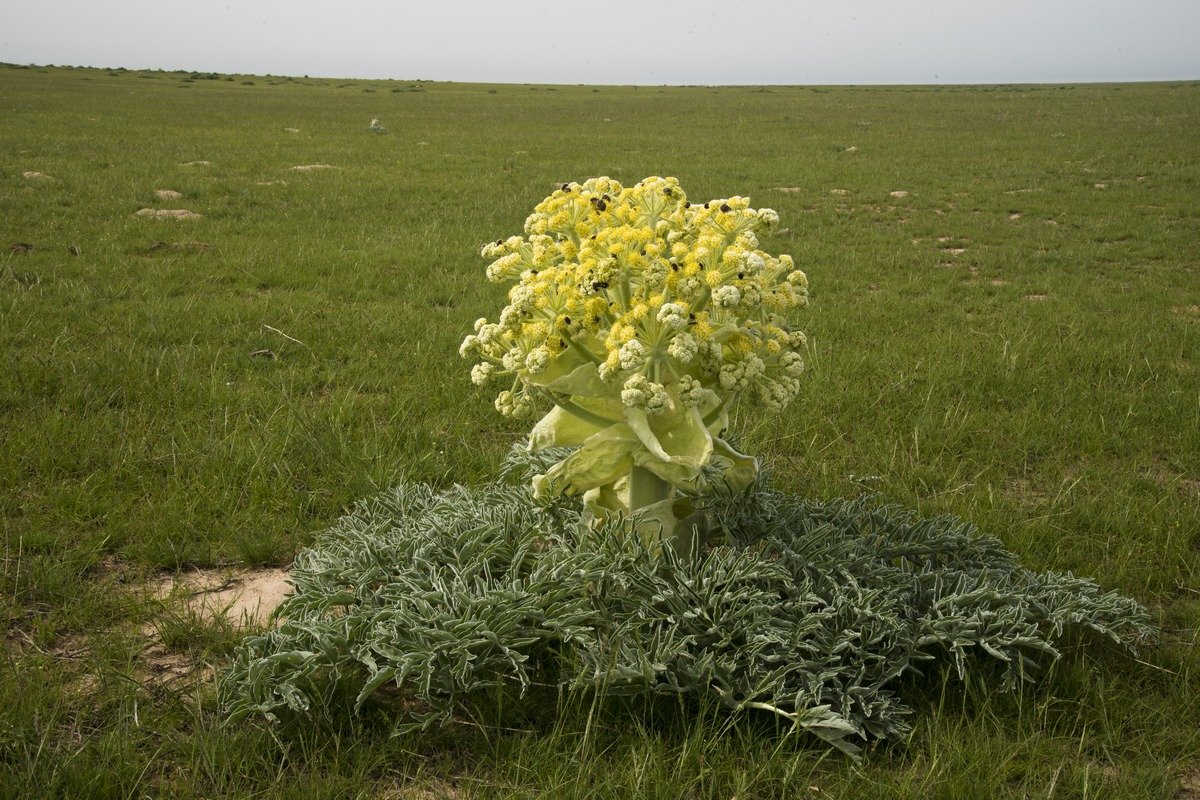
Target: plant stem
[646, 488]
[582, 413]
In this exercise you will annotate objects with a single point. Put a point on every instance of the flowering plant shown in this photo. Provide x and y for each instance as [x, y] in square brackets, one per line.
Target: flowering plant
[643, 318]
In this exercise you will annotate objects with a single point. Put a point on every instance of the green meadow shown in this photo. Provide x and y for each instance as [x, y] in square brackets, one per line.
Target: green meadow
[1005, 326]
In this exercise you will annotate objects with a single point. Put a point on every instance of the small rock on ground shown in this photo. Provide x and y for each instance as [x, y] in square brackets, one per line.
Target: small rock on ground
[167, 213]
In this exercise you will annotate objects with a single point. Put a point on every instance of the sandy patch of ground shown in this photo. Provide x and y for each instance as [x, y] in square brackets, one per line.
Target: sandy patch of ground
[244, 597]
[37, 176]
[840, 192]
[851, 149]
[311, 167]
[238, 597]
[270, 183]
[196, 164]
[230, 597]
[1189, 785]
[954, 251]
[789, 189]
[167, 194]
[899, 193]
[1101, 185]
[1037, 298]
[998, 282]
[167, 213]
[1014, 216]
[291, 130]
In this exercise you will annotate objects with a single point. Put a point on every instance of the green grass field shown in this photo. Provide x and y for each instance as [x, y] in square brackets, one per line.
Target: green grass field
[1005, 326]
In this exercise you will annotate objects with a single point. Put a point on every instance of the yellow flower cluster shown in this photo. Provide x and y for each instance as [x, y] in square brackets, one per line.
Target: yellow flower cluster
[672, 301]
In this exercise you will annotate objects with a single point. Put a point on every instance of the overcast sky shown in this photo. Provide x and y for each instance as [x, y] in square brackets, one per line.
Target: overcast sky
[620, 42]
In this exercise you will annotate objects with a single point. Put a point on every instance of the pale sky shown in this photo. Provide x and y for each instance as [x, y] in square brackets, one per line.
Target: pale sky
[622, 42]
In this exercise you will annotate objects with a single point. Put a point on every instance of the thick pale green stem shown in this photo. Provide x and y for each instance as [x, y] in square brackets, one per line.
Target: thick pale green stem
[653, 496]
[650, 501]
[579, 413]
[646, 488]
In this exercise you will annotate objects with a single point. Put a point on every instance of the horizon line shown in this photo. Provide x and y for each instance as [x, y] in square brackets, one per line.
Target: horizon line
[309, 76]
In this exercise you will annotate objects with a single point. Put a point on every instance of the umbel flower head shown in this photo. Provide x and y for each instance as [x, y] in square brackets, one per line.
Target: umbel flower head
[644, 318]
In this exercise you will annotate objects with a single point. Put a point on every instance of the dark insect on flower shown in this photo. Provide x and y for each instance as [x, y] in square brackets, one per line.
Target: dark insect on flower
[499, 242]
[562, 345]
[601, 206]
[674, 267]
[534, 272]
[725, 207]
[598, 285]
[740, 275]
[687, 204]
[692, 316]
[566, 320]
[566, 187]
[606, 197]
[667, 191]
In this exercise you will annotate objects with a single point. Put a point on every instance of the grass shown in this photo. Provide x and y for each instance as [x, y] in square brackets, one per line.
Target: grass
[1014, 341]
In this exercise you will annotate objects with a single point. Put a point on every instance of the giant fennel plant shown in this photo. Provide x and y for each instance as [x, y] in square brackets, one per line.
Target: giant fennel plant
[642, 318]
[639, 319]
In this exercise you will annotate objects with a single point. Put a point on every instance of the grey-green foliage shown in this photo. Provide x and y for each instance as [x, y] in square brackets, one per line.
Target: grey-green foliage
[810, 610]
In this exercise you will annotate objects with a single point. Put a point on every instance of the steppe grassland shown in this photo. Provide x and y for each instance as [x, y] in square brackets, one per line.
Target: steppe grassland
[1005, 323]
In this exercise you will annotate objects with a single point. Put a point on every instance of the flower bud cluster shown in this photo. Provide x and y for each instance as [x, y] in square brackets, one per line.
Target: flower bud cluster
[673, 301]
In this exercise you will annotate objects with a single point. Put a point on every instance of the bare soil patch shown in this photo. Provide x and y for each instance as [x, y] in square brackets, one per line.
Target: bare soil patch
[899, 193]
[1036, 298]
[240, 598]
[311, 167]
[1189, 785]
[167, 194]
[37, 176]
[243, 597]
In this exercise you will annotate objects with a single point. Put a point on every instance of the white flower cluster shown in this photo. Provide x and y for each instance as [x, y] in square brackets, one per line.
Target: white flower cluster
[672, 301]
[640, 392]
